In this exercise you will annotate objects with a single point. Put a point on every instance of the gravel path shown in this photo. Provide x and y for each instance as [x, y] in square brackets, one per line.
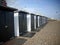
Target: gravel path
[49, 35]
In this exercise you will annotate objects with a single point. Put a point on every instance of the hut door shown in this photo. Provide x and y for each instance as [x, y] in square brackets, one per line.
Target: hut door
[10, 24]
[3, 31]
[22, 23]
[37, 21]
[25, 23]
[32, 22]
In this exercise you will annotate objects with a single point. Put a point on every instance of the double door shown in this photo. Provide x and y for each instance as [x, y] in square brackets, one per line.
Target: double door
[32, 22]
[36, 21]
[22, 23]
[6, 25]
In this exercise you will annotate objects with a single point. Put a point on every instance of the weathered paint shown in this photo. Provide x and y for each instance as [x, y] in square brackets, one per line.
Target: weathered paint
[35, 21]
[16, 24]
[28, 22]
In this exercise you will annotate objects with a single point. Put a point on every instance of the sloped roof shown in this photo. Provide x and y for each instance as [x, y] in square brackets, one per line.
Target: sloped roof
[7, 8]
[24, 12]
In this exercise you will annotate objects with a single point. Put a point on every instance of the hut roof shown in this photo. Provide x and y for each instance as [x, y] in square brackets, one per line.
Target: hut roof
[7, 8]
[23, 12]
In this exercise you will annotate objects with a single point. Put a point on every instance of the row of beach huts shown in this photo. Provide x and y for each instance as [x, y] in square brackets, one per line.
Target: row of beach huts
[14, 23]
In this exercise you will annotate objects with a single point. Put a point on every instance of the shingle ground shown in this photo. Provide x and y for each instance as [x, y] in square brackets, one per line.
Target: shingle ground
[49, 35]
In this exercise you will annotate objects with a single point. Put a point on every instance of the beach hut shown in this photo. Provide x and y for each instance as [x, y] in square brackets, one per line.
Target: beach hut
[40, 21]
[28, 23]
[6, 23]
[37, 21]
[22, 22]
[32, 22]
[44, 20]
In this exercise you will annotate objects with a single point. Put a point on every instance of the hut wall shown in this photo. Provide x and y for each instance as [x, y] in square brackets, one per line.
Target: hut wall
[32, 22]
[42, 20]
[38, 21]
[28, 22]
[35, 22]
[16, 24]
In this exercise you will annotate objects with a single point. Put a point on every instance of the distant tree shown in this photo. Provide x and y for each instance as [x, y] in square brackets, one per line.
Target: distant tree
[3, 3]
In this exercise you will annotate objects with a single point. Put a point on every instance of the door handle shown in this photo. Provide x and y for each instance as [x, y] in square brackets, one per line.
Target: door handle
[6, 26]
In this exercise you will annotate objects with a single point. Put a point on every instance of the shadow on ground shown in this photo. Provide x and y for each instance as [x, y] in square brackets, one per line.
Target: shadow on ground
[41, 27]
[18, 41]
[32, 33]
[29, 35]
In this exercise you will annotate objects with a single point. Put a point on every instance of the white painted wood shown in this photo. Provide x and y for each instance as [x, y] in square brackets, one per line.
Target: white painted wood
[38, 21]
[35, 22]
[16, 24]
[28, 22]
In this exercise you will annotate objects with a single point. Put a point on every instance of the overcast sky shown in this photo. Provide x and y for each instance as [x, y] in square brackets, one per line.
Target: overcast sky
[49, 8]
